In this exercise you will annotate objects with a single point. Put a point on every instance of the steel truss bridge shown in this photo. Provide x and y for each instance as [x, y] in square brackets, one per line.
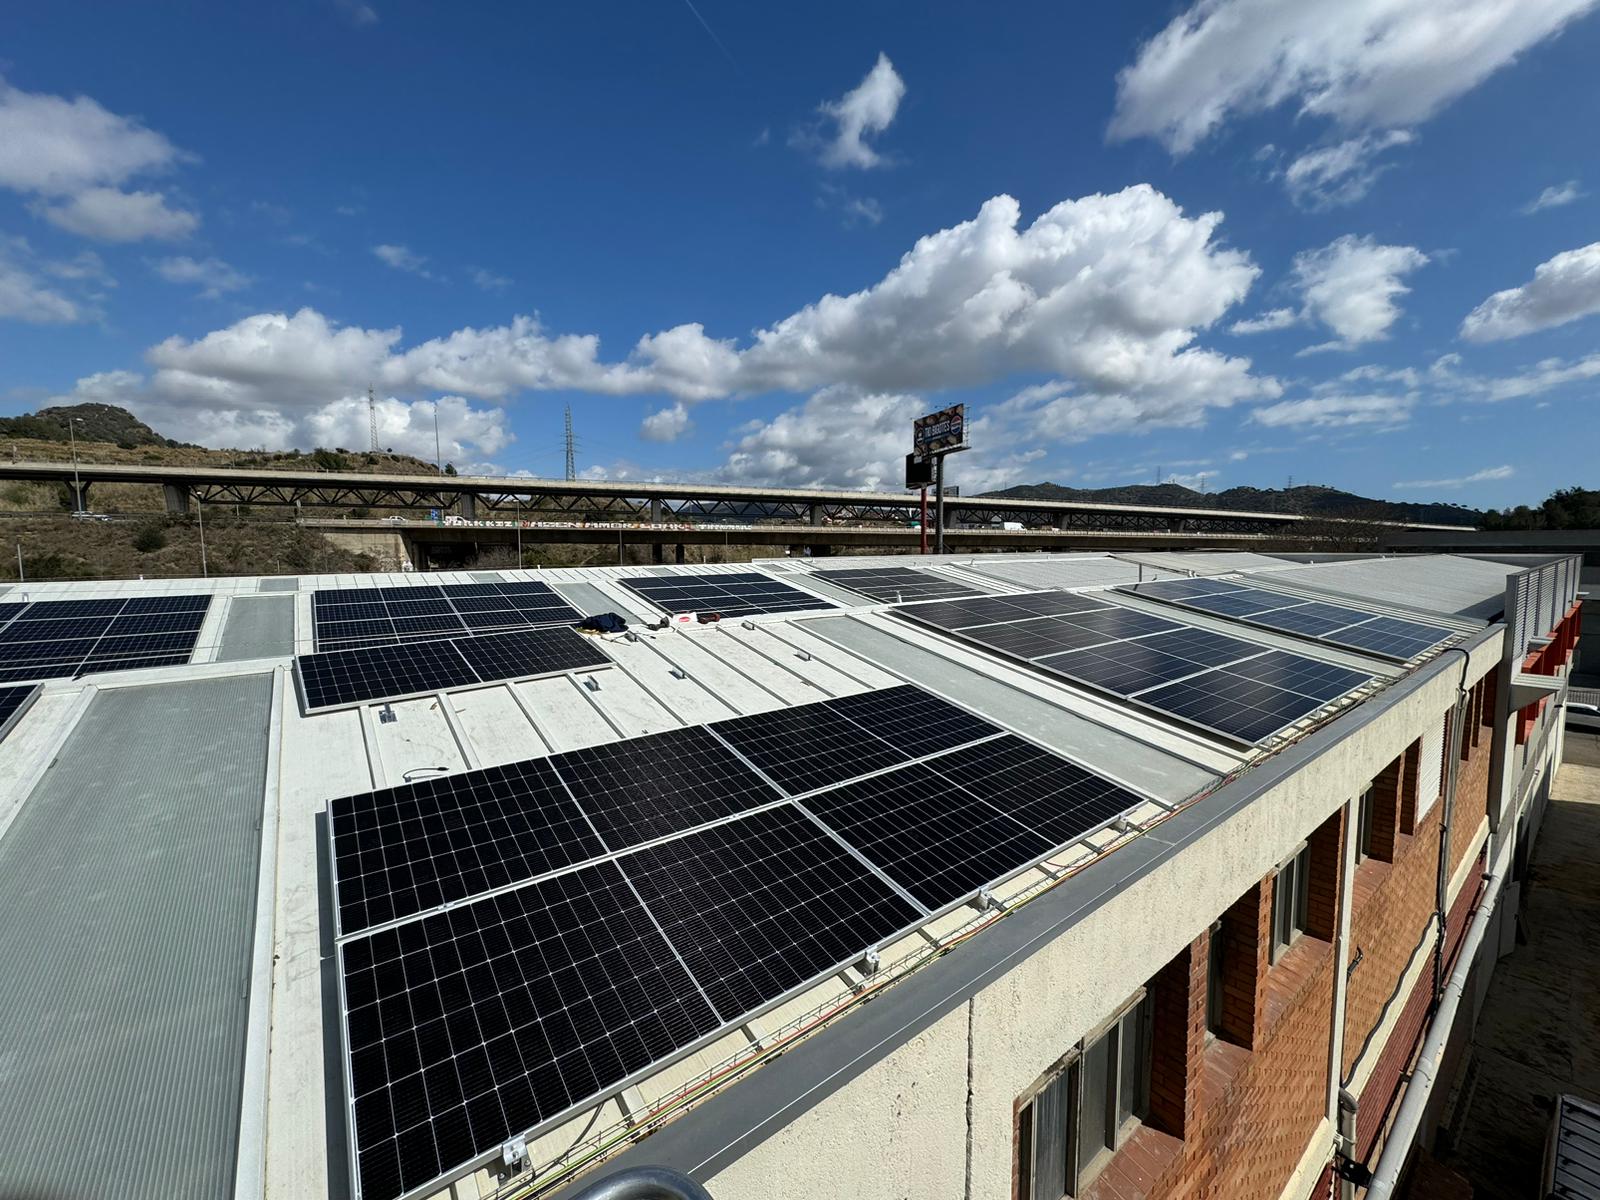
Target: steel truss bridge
[474, 497]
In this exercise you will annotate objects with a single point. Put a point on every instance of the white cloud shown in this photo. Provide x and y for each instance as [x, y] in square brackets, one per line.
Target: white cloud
[1335, 410]
[863, 208]
[213, 276]
[24, 296]
[1352, 286]
[109, 215]
[1343, 173]
[1543, 376]
[1107, 291]
[861, 113]
[1277, 318]
[1563, 288]
[488, 281]
[1554, 196]
[1484, 476]
[86, 266]
[357, 13]
[55, 147]
[73, 155]
[839, 437]
[403, 258]
[1362, 64]
[666, 425]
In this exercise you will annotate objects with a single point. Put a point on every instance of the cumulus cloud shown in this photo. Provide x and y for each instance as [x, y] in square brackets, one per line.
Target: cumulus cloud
[666, 425]
[72, 156]
[1352, 286]
[1563, 288]
[1544, 376]
[1555, 196]
[1343, 173]
[1362, 64]
[26, 296]
[838, 437]
[1277, 318]
[863, 112]
[1484, 476]
[109, 215]
[403, 258]
[211, 275]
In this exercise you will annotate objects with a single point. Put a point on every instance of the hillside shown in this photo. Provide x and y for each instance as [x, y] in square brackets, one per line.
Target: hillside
[1310, 501]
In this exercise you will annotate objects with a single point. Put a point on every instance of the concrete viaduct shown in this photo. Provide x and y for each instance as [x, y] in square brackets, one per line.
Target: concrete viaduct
[641, 502]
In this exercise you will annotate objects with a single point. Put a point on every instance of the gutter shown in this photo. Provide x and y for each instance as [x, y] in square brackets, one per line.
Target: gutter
[1408, 1121]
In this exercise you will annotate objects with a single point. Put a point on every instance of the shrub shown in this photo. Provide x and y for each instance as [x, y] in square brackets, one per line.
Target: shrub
[149, 539]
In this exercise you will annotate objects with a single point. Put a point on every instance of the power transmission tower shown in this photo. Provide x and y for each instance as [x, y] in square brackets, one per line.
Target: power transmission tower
[572, 457]
[372, 419]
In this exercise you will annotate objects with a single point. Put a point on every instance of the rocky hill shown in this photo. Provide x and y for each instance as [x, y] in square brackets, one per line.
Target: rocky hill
[95, 423]
[1309, 501]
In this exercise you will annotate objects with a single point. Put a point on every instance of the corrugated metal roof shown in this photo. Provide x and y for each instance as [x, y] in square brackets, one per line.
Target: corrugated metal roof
[289, 584]
[1441, 583]
[257, 627]
[1205, 562]
[125, 948]
[1069, 572]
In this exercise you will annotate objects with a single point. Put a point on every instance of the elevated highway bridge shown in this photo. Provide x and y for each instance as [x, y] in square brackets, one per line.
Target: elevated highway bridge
[641, 503]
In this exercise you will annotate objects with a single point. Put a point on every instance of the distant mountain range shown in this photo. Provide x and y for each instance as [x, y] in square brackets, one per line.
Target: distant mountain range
[1309, 501]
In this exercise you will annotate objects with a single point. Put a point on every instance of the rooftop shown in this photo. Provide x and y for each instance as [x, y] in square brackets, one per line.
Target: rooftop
[233, 716]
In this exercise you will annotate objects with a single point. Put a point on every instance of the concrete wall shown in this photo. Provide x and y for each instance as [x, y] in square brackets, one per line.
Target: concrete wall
[873, 1134]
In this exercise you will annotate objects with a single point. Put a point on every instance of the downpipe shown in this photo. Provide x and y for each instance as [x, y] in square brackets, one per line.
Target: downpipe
[1408, 1121]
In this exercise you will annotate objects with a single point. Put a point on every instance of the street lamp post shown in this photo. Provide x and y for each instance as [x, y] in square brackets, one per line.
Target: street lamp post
[77, 486]
[200, 512]
[519, 533]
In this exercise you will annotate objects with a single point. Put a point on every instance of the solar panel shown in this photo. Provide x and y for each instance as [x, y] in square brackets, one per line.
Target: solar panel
[407, 849]
[912, 720]
[1335, 624]
[763, 904]
[51, 639]
[1240, 708]
[650, 787]
[472, 1025]
[989, 610]
[1296, 673]
[934, 838]
[341, 677]
[344, 618]
[735, 594]
[896, 585]
[801, 749]
[14, 701]
[1390, 637]
[1056, 798]
[1121, 667]
[1034, 637]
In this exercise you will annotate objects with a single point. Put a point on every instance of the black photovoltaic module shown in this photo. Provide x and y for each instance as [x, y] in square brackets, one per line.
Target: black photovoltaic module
[732, 594]
[13, 702]
[645, 895]
[54, 639]
[897, 585]
[1335, 624]
[351, 618]
[1226, 684]
[339, 678]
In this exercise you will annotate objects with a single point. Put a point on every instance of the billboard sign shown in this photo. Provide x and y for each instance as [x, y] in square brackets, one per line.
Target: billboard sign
[940, 432]
[919, 471]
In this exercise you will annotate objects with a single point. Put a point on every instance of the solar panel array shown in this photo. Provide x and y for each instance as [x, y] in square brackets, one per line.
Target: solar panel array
[53, 639]
[1227, 685]
[13, 701]
[517, 941]
[340, 678]
[350, 618]
[734, 594]
[1336, 624]
[898, 585]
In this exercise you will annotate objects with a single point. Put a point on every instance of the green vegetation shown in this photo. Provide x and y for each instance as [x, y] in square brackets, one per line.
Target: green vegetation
[95, 423]
[150, 539]
[1565, 508]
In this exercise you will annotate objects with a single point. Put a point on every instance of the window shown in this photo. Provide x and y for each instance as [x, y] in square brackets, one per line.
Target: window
[1084, 1109]
[1364, 824]
[1291, 895]
[1215, 965]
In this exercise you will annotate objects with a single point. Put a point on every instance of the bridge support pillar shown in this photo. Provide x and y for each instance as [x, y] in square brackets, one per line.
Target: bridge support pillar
[657, 553]
[816, 514]
[655, 512]
[822, 551]
[177, 497]
[1063, 521]
[677, 554]
[469, 506]
[80, 496]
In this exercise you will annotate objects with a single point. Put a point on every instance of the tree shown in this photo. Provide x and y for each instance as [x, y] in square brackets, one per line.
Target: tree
[449, 468]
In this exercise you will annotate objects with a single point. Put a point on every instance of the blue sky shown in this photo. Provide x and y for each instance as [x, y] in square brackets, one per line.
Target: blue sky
[1343, 241]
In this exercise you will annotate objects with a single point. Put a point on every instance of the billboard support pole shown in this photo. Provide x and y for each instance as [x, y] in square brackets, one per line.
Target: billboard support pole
[924, 525]
[938, 490]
